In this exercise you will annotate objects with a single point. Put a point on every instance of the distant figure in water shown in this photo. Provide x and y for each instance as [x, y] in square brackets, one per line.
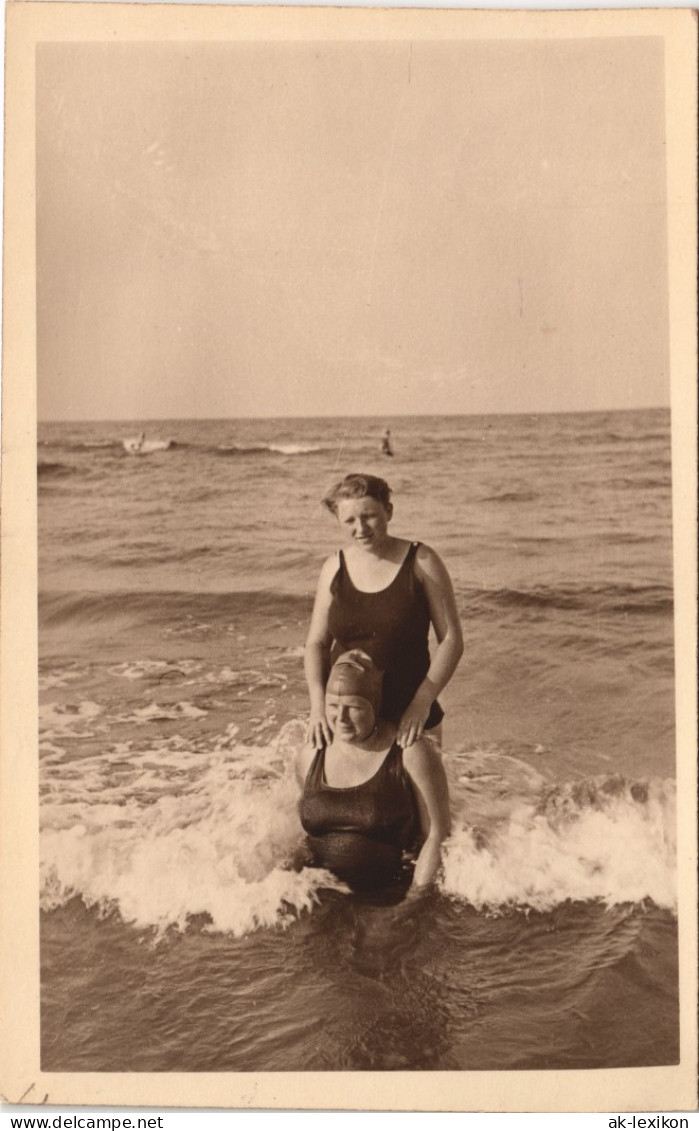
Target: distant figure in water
[140, 442]
[366, 801]
[386, 446]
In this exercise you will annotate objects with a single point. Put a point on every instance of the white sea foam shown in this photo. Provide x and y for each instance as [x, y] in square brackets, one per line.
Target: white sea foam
[143, 669]
[219, 845]
[295, 449]
[282, 449]
[224, 675]
[155, 713]
[603, 839]
[55, 715]
[70, 720]
[53, 679]
[169, 833]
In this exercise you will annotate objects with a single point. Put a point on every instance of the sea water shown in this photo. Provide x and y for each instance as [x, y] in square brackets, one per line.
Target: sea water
[175, 591]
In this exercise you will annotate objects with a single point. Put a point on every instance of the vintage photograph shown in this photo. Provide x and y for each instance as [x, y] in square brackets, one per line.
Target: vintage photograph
[357, 744]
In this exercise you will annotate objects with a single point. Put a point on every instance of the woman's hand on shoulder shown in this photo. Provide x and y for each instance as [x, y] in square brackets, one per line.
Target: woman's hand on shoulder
[319, 732]
[412, 722]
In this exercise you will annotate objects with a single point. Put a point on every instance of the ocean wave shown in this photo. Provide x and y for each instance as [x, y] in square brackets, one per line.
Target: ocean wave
[278, 449]
[614, 437]
[58, 608]
[134, 446]
[48, 469]
[522, 496]
[130, 446]
[219, 846]
[642, 482]
[584, 598]
[173, 606]
[606, 839]
[139, 554]
[114, 444]
[80, 445]
[162, 838]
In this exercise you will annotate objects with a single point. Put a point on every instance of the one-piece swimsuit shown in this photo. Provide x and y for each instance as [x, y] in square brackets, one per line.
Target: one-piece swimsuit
[392, 626]
[361, 832]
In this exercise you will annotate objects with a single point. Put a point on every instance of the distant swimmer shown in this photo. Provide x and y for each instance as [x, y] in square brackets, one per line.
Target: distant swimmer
[386, 445]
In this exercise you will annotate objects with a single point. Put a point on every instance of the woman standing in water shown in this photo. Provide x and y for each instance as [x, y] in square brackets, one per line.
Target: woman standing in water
[366, 801]
[381, 595]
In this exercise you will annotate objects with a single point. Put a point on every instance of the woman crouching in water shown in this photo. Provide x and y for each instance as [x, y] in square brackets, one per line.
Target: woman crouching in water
[366, 801]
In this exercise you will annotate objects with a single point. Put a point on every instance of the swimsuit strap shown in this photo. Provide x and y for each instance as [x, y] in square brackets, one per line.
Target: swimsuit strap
[395, 751]
[392, 763]
[316, 770]
[315, 778]
[408, 563]
[409, 558]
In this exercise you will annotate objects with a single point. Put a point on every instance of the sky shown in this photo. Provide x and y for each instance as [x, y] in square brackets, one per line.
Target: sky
[340, 228]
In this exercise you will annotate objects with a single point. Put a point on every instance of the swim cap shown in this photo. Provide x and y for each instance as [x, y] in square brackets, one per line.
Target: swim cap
[355, 673]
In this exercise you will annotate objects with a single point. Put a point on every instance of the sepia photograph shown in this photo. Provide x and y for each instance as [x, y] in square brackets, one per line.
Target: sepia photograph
[355, 407]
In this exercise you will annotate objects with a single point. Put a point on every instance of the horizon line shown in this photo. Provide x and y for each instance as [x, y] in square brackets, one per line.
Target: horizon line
[353, 416]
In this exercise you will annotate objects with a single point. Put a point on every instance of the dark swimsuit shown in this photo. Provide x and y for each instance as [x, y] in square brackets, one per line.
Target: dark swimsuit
[360, 832]
[392, 626]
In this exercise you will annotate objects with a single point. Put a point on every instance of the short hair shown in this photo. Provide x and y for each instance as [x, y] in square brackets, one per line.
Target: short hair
[356, 486]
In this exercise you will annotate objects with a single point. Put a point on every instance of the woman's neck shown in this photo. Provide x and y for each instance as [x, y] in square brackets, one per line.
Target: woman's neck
[389, 549]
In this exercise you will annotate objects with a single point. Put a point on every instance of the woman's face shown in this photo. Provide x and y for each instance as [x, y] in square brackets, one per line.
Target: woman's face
[364, 521]
[351, 717]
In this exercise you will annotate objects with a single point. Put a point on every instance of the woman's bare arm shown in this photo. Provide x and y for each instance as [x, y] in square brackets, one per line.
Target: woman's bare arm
[302, 765]
[316, 660]
[450, 645]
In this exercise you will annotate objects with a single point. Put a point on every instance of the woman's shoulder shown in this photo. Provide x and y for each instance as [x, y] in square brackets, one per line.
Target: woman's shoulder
[428, 562]
[329, 568]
